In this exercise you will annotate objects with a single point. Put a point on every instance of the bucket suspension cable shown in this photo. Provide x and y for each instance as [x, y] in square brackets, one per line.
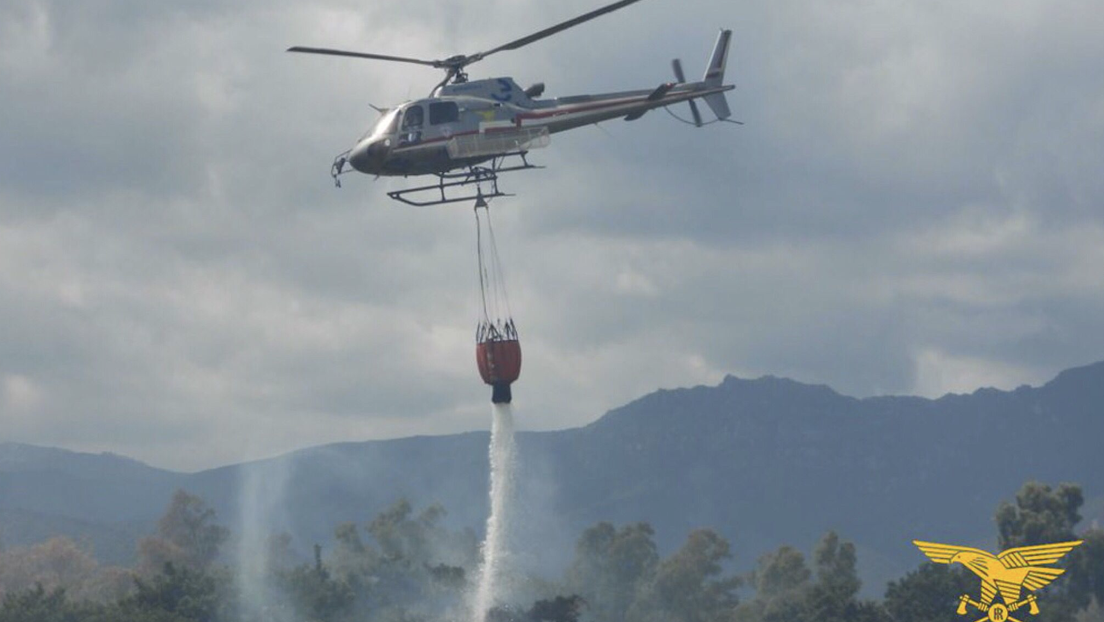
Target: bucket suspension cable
[499, 274]
[492, 283]
[497, 349]
[482, 269]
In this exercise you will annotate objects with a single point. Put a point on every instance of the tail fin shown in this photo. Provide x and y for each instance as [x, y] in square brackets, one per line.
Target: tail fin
[714, 73]
[714, 76]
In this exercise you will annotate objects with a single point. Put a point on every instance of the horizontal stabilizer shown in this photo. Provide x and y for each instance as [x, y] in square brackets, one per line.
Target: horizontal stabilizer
[719, 105]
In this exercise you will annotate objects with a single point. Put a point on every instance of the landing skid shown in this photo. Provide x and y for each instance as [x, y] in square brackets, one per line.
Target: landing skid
[483, 178]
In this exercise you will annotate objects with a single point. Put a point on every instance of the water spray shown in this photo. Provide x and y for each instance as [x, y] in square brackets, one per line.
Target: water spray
[494, 570]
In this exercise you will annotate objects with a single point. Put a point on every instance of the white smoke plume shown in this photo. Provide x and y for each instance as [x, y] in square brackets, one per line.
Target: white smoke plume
[262, 504]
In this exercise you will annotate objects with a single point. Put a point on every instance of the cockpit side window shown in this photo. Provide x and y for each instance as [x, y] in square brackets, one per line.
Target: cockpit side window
[413, 118]
[443, 112]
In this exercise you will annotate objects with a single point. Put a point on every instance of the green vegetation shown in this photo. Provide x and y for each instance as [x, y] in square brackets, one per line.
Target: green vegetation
[405, 566]
[786, 589]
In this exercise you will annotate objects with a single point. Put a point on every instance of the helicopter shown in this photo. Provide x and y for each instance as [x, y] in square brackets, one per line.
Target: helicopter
[467, 132]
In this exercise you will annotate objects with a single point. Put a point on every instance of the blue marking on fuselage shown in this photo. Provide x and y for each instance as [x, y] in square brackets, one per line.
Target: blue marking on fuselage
[507, 90]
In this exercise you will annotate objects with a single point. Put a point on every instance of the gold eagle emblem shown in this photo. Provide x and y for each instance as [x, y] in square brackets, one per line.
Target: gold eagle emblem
[1007, 573]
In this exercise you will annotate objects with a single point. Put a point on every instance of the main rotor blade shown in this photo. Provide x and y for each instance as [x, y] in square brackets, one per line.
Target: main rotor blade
[329, 52]
[537, 36]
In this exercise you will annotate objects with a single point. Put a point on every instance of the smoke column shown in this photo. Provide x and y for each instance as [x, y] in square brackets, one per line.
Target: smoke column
[493, 569]
[260, 505]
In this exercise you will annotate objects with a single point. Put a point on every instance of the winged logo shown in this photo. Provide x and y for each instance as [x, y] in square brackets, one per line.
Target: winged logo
[1008, 573]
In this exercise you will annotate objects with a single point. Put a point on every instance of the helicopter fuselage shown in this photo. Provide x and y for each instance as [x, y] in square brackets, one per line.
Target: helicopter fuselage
[463, 124]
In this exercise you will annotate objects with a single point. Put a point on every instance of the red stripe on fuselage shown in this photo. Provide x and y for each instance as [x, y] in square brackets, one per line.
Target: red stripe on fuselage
[433, 140]
[610, 104]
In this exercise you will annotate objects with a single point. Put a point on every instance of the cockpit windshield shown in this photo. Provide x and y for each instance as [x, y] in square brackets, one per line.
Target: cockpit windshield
[385, 125]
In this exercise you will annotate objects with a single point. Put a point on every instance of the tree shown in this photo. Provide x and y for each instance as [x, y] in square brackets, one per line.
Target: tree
[408, 567]
[610, 566]
[415, 540]
[780, 572]
[1086, 567]
[928, 593]
[558, 609]
[416, 564]
[836, 568]
[688, 586]
[183, 593]
[834, 596]
[354, 561]
[187, 536]
[316, 594]
[279, 552]
[60, 562]
[786, 591]
[1093, 613]
[1040, 515]
[57, 562]
[36, 605]
[781, 580]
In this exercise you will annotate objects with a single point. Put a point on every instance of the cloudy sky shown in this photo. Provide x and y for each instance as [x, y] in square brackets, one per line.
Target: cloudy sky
[914, 206]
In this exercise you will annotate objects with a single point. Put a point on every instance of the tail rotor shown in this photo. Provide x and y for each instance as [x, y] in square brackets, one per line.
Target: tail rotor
[676, 65]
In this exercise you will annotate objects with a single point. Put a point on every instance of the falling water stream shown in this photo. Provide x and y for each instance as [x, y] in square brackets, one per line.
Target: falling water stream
[493, 571]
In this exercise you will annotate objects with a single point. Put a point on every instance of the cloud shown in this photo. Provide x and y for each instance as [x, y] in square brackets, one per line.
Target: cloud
[913, 206]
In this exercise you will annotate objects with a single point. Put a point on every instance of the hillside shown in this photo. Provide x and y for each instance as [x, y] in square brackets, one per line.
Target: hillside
[764, 461]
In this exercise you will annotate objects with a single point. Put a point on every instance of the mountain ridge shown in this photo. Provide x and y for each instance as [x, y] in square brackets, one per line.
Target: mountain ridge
[764, 461]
